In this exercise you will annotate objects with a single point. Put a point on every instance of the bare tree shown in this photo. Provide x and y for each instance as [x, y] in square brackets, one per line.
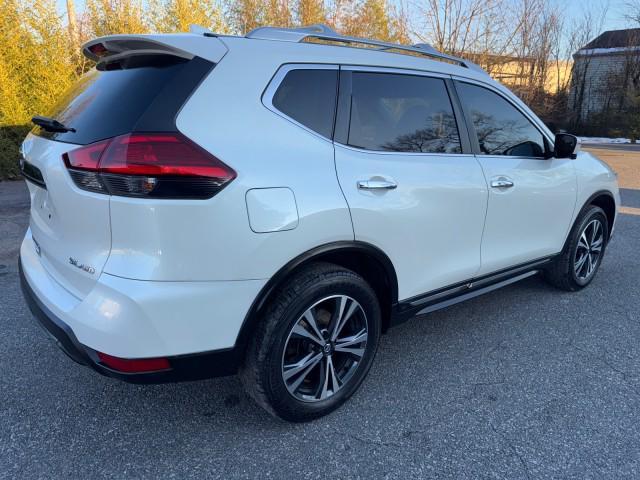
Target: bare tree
[582, 31]
[632, 9]
[456, 26]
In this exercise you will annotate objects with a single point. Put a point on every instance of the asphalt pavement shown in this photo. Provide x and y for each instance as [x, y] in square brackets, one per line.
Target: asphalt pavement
[525, 382]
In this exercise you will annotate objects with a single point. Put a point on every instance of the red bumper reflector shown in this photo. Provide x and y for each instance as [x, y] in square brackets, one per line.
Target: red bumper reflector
[135, 365]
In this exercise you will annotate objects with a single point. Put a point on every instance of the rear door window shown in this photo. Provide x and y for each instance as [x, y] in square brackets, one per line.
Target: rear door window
[402, 113]
[308, 96]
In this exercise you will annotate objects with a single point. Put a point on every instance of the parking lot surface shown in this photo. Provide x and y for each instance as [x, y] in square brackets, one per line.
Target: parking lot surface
[524, 382]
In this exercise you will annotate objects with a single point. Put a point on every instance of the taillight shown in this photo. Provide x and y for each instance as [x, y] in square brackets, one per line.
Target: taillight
[151, 165]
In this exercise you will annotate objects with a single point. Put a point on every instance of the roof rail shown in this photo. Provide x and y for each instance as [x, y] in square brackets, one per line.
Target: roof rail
[322, 32]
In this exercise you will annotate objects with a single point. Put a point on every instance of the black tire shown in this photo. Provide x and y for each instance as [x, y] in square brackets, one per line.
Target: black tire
[263, 370]
[562, 274]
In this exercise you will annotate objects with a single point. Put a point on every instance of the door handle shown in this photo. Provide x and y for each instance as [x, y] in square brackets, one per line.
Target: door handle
[376, 185]
[501, 183]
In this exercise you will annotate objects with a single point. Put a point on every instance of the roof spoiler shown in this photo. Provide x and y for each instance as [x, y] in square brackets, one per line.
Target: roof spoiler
[112, 48]
[185, 45]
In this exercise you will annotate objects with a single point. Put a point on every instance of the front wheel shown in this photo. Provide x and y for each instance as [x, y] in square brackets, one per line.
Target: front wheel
[315, 344]
[582, 255]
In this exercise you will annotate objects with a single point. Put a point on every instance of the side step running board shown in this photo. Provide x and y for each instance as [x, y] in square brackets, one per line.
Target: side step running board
[475, 293]
[444, 297]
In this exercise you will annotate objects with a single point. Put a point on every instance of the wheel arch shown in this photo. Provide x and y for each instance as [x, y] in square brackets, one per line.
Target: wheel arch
[606, 201]
[363, 258]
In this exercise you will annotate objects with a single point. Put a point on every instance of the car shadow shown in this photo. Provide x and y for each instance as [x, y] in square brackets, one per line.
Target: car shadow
[222, 401]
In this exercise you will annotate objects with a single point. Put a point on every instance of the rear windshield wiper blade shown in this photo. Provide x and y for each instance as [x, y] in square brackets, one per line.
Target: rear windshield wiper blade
[51, 125]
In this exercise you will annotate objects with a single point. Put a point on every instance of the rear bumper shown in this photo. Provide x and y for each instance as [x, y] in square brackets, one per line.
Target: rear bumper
[183, 367]
[194, 325]
[61, 333]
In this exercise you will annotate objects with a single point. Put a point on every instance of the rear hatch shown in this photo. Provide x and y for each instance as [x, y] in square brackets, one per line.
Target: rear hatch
[70, 228]
[135, 90]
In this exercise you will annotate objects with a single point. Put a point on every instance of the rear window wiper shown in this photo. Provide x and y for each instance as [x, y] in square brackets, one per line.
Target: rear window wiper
[51, 125]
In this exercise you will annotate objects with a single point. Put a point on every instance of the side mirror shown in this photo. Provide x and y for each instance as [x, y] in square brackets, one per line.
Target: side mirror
[565, 146]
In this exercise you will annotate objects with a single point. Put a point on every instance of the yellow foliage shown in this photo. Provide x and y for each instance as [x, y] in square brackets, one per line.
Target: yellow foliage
[245, 15]
[310, 12]
[35, 59]
[371, 19]
[107, 17]
[278, 13]
[179, 15]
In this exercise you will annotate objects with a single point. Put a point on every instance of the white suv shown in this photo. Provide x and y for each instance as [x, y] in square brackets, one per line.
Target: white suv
[203, 205]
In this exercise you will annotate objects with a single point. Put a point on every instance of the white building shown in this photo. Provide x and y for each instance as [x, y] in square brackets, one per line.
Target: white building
[604, 71]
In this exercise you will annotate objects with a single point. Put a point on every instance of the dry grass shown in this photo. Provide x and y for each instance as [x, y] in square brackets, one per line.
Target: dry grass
[625, 163]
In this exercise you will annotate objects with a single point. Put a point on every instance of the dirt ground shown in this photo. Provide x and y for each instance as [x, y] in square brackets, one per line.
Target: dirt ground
[625, 162]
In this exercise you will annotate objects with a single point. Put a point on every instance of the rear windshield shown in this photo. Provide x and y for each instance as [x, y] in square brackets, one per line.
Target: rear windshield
[104, 104]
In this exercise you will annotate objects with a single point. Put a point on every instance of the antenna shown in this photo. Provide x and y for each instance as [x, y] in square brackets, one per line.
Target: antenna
[200, 30]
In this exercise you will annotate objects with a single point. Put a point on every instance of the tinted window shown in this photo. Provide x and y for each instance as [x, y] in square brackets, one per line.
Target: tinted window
[402, 113]
[309, 97]
[501, 128]
[103, 104]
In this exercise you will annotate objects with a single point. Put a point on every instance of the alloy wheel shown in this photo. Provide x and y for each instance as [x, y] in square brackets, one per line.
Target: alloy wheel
[324, 348]
[589, 250]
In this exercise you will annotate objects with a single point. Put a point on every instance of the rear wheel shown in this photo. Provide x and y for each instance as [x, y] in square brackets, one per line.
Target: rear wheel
[315, 344]
[582, 255]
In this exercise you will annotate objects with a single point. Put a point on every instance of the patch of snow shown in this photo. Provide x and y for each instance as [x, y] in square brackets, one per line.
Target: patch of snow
[605, 51]
[603, 140]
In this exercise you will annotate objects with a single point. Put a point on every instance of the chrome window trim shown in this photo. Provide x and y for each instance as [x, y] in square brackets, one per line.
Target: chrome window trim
[274, 84]
[391, 152]
[484, 155]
